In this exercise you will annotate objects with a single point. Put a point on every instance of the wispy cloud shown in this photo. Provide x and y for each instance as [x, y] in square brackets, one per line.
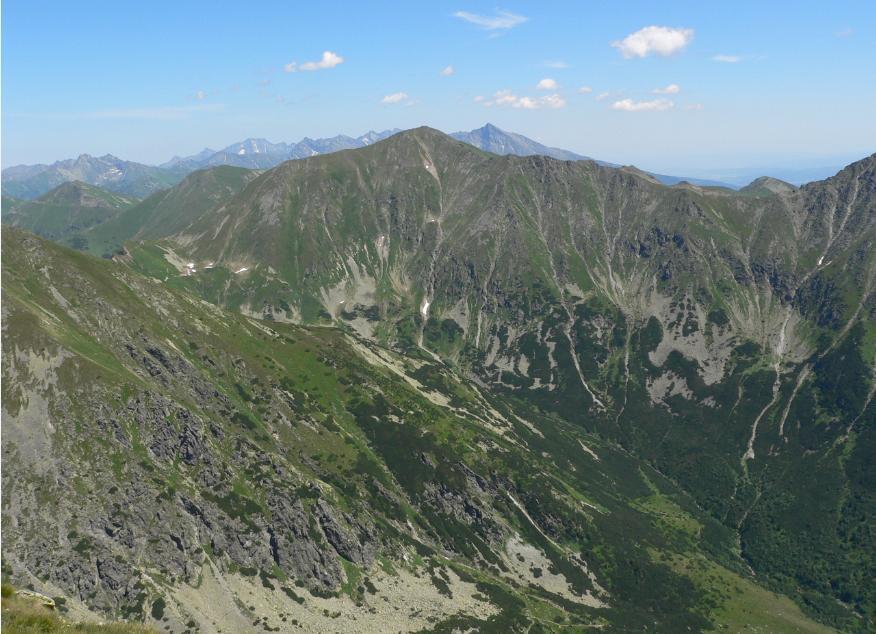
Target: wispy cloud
[501, 20]
[200, 95]
[509, 99]
[556, 63]
[727, 59]
[328, 60]
[846, 32]
[608, 93]
[447, 71]
[628, 105]
[657, 40]
[396, 97]
[671, 89]
[694, 106]
[547, 84]
[585, 90]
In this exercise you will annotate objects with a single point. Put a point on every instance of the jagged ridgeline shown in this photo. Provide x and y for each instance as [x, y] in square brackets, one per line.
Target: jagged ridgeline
[518, 393]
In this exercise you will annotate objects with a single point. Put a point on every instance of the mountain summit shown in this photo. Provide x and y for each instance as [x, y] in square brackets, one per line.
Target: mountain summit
[491, 139]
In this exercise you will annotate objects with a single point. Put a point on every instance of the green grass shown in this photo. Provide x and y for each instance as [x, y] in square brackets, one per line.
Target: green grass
[25, 615]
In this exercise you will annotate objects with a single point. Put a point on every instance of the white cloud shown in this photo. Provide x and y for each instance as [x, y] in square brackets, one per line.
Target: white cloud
[328, 60]
[200, 95]
[727, 59]
[608, 93]
[671, 89]
[396, 97]
[694, 106]
[659, 40]
[547, 84]
[628, 105]
[556, 63]
[584, 90]
[502, 20]
[508, 98]
[552, 101]
[447, 71]
[846, 32]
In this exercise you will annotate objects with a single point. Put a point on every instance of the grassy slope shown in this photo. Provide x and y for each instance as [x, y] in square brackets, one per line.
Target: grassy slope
[66, 211]
[169, 211]
[26, 615]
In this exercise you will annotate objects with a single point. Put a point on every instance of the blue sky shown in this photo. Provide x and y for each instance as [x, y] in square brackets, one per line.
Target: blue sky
[749, 83]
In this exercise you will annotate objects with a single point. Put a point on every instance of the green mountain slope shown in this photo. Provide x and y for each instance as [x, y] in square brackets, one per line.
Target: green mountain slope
[169, 461]
[172, 210]
[66, 211]
[727, 338]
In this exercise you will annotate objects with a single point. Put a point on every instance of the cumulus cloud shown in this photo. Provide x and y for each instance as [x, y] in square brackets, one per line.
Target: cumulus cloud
[501, 20]
[657, 40]
[547, 84]
[328, 60]
[447, 71]
[396, 97]
[671, 89]
[584, 90]
[508, 98]
[727, 59]
[628, 105]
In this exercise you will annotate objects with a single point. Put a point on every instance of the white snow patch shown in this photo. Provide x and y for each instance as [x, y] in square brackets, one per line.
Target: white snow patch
[424, 309]
[241, 270]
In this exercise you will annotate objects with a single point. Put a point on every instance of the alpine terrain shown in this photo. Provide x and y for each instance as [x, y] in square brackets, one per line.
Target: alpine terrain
[419, 386]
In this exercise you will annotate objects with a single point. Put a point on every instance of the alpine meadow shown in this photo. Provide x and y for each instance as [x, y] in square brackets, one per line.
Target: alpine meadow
[416, 380]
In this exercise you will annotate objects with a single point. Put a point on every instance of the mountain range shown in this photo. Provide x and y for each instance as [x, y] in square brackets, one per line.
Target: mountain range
[139, 180]
[419, 385]
[108, 172]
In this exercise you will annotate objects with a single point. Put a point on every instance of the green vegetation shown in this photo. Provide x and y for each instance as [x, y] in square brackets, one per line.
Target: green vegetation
[23, 614]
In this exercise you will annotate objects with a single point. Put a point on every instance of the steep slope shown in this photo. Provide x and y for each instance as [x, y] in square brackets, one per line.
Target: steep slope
[66, 211]
[727, 338]
[108, 172]
[167, 461]
[171, 210]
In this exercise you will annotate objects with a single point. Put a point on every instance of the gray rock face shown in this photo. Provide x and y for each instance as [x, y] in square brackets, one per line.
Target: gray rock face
[175, 467]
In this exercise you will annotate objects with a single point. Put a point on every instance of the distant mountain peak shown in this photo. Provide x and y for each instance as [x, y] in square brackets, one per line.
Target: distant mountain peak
[770, 184]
